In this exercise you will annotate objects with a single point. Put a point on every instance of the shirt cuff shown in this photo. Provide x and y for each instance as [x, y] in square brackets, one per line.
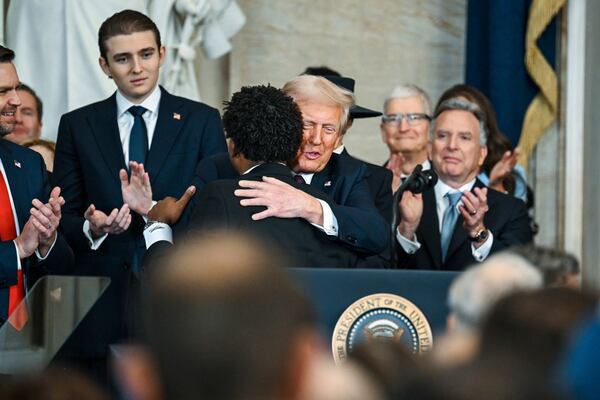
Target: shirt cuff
[481, 253]
[330, 224]
[94, 243]
[145, 217]
[18, 256]
[409, 246]
[157, 232]
[39, 256]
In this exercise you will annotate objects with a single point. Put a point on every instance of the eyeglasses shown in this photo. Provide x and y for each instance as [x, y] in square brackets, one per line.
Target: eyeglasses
[412, 119]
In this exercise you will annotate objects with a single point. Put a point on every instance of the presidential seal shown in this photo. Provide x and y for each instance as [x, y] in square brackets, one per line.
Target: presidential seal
[381, 316]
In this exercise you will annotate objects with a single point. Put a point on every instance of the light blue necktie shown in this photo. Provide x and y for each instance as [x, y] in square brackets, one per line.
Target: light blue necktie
[449, 220]
[138, 139]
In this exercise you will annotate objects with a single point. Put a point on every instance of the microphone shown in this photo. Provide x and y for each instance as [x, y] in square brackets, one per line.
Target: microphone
[419, 181]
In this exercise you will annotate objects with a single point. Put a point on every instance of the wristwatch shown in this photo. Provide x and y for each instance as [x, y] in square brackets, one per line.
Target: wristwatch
[481, 235]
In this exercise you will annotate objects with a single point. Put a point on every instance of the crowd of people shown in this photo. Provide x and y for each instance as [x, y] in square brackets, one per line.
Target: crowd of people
[193, 217]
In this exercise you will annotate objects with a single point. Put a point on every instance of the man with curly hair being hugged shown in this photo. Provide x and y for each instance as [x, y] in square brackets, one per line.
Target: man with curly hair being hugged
[264, 128]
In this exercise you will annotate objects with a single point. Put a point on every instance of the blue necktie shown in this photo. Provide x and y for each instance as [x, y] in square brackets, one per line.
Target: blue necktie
[449, 220]
[138, 139]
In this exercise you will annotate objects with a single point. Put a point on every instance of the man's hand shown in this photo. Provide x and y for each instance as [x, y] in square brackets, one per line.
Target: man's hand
[136, 191]
[473, 210]
[46, 218]
[115, 223]
[169, 209]
[281, 200]
[395, 165]
[28, 241]
[411, 211]
[503, 168]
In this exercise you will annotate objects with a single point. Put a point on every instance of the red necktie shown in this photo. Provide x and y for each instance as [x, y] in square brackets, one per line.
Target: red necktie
[9, 232]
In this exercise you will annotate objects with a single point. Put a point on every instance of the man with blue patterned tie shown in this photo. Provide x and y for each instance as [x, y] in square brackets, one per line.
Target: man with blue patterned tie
[460, 221]
[141, 122]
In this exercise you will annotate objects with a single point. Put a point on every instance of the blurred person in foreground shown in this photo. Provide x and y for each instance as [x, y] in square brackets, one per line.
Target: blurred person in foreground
[224, 325]
[558, 267]
[473, 294]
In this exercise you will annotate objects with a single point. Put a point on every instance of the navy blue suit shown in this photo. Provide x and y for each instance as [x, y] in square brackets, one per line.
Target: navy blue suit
[26, 176]
[89, 156]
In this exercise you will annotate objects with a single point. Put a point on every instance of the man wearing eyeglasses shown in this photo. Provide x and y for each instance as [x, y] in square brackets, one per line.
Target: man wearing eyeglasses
[405, 129]
[460, 221]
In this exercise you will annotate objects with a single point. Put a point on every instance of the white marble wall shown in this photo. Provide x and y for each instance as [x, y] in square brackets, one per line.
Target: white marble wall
[378, 42]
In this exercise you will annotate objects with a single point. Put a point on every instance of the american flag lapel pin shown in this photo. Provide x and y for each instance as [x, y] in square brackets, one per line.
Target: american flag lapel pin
[176, 116]
[327, 184]
[17, 164]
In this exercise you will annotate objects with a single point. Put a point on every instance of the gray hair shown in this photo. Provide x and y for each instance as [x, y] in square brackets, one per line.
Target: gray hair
[408, 90]
[476, 290]
[460, 104]
[554, 264]
[310, 88]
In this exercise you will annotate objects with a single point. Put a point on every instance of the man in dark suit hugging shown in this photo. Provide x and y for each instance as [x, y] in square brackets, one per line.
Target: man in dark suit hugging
[265, 131]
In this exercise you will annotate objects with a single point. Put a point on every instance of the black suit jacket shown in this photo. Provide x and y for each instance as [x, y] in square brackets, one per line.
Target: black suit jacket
[27, 180]
[344, 181]
[301, 243]
[506, 218]
[89, 155]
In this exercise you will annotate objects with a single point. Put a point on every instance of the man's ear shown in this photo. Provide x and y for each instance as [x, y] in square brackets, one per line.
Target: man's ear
[162, 52]
[104, 65]
[482, 154]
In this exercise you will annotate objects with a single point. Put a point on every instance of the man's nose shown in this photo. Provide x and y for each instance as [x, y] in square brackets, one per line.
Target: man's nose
[403, 124]
[316, 135]
[14, 99]
[452, 142]
[137, 65]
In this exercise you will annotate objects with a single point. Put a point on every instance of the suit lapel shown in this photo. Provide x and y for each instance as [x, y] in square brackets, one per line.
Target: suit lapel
[323, 180]
[14, 175]
[105, 129]
[169, 123]
[429, 230]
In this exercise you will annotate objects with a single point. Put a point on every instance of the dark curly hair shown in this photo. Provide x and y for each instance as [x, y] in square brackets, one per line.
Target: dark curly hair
[264, 124]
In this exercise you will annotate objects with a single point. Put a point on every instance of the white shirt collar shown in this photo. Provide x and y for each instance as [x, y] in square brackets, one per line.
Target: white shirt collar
[150, 103]
[441, 189]
[339, 149]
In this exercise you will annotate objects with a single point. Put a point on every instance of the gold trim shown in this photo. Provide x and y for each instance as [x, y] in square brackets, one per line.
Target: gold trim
[543, 108]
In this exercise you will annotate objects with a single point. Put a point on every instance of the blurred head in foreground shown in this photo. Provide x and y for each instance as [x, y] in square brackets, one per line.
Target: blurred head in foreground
[225, 322]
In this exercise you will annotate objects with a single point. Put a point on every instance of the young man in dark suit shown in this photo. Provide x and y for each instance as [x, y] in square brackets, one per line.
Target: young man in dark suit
[141, 122]
[29, 243]
[460, 221]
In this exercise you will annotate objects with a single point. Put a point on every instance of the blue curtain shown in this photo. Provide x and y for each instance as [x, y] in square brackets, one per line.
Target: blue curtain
[495, 58]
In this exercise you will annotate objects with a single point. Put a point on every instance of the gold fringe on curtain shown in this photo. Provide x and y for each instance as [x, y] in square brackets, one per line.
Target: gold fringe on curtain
[543, 108]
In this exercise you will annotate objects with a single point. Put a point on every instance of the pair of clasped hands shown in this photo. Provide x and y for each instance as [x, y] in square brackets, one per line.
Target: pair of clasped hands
[39, 232]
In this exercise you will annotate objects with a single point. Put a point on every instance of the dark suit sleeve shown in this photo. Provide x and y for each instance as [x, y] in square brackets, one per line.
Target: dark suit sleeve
[68, 176]
[516, 228]
[360, 225]
[211, 213]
